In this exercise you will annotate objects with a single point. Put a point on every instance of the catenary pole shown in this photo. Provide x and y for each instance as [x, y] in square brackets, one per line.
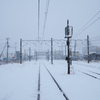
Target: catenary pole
[20, 51]
[29, 53]
[7, 50]
[88, 47]
[51, 51]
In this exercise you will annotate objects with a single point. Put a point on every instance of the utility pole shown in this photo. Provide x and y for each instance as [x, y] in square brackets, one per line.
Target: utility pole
[7, 50]
[68, 35]
[88, 47]
[20, 51]
[51, 51]
[29, 53]
[68, 43]
[48, 55]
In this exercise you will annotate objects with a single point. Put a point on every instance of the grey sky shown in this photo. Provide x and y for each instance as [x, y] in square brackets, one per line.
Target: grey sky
[19, 18]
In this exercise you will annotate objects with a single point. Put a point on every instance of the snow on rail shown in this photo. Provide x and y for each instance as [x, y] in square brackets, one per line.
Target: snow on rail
[57, 83]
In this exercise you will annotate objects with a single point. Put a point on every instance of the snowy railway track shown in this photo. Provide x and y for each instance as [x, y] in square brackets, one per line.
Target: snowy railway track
[88, 71]
[53, 83]
[38, 95]
[89, 75]
[91, 71]
[64, 95]
[91, 66]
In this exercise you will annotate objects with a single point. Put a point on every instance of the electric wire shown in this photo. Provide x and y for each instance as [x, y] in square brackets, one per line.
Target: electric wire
[3, 50]
[38, 18]
[46, 13]
[85, 26]
[95, 38]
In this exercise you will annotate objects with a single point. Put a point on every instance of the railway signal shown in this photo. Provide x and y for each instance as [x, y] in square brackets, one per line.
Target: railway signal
[68, 35]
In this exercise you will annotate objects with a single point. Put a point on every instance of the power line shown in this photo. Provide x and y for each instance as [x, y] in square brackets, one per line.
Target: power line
[95, 37]
[46, 13]
[38, 18]
[3, 50]
[87, 27]
[84, 27]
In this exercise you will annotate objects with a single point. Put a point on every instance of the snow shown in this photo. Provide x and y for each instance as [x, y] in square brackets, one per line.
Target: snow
[20, 81]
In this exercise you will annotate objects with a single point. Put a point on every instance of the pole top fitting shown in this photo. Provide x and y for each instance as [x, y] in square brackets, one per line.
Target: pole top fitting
[67, 22]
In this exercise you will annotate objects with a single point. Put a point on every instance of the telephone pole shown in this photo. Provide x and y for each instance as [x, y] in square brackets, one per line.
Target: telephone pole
[88, 47]
[7, 49]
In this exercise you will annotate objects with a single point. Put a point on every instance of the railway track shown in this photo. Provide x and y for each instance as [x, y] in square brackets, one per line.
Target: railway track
[91, 71]
[88, 72]
[89, 75]
[38, 95]
[91, 66]
[66, 98]
[52, 82]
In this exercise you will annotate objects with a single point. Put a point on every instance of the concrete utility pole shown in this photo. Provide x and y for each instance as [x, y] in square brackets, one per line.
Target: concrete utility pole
[88, 47]
[68, 43]
[29, 53]
[36, 55]
[7, 50]
[20, 51]
[51, 51]
[48, 55]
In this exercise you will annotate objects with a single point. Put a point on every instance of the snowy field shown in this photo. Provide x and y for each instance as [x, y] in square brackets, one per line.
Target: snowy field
[20, 81]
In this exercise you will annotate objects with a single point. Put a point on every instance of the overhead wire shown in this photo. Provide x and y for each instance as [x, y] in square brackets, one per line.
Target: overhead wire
[85, 26]
[95, 37]
[38, 18]
[46, 13]
[3, 50]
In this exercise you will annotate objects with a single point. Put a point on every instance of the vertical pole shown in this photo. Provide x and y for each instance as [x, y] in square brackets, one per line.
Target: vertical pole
[20, 51]
[48, 55]
[68, 46]
[7, 50]
[68, 56]
[88, 47]
[51, 51]
[29, 53]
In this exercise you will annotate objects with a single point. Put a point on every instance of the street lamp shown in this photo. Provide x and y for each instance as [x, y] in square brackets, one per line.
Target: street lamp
[68, 34]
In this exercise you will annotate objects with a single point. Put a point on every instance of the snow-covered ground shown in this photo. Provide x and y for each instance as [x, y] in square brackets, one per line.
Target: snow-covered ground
[20, 81]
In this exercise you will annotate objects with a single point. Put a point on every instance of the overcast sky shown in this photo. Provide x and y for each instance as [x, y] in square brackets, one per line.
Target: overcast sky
[19, 18]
